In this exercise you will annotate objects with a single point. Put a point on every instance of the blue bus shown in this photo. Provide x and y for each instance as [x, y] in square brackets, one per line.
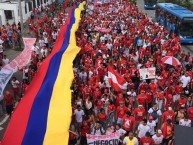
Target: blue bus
[150, 4]
[176, 19]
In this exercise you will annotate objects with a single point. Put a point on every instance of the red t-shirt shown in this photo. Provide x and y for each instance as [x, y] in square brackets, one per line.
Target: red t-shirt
[121, 111]
[128, 123]
[181, 101]
[139, 114]
[85, 129]
[152, 87]
[145, 141]
[111, 108]
[8, 100]
[167, 115]
[141, 99]
[101, 116]
[149, 97]
[118, 100]
[190, 113]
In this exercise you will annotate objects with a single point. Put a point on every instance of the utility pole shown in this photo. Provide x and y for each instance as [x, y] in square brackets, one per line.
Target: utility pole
[21, 16]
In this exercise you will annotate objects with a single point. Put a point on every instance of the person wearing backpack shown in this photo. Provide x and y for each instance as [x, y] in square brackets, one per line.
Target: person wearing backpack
[155, 112]
[98, 129]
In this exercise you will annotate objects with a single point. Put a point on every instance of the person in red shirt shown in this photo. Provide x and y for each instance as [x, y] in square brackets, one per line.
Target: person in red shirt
[119, 99]
[142, 99]
[168, 101]
[181, 102]
[128, 122]
[121, 110]
[102, 117]
[146, 140]
[24, 86]
[152, 86]
[85, 129]
[150, 98]
[139, 113]
[190, 113]
[110, 113]
[8, 98]
[169, 114]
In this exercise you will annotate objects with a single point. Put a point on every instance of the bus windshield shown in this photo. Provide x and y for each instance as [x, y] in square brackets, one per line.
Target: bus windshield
[150, 2]
[186, 28]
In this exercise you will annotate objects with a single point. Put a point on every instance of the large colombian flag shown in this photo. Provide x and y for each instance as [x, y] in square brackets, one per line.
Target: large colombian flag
[44, 114]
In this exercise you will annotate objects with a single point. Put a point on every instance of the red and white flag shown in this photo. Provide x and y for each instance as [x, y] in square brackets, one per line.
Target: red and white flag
[116, 80]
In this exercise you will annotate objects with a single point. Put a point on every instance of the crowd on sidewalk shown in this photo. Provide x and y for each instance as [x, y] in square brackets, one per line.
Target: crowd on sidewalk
[146, 111]
[44, 24]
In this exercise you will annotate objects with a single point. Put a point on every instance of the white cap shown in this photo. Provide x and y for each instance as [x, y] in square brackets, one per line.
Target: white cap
[128, 93]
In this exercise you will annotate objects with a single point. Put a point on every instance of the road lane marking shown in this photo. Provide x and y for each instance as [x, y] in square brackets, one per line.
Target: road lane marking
[1, 128]
[4, 120]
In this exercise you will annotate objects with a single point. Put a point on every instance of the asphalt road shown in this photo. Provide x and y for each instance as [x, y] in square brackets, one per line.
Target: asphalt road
[151, 13]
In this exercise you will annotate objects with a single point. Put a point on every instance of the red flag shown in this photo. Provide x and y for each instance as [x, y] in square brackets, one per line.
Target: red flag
[116, 80]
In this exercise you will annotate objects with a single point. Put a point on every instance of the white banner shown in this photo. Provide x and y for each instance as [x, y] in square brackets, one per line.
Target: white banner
[112, 139]
[147, 73]
[18, 63]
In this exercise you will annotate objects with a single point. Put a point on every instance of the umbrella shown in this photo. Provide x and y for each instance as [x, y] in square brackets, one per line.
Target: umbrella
[170, 60]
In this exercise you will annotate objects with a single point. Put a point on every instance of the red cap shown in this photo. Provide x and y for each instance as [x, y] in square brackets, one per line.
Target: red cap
[170, 96]
[150, 118]
[7, 93]
[142, 91]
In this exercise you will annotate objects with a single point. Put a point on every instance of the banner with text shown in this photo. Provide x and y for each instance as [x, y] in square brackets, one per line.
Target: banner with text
[16, 64]
[147, 73]
[112, 139]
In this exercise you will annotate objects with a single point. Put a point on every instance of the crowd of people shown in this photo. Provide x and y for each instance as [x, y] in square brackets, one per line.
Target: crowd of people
[119, 35]
[128, 40]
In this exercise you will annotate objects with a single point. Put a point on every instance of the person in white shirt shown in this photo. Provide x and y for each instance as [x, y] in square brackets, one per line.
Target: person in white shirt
[1, 41]
[15, 86]
[185, 122]
[46, 41]
[129, 139]
[41, 42]
[152, 124]
[54, 35]
[155, 112]
[158, 137]
[25, 73]
[79, 113]
[143, 128]
[88, 104]
[44, 52]
[1, 49]
[120, 130]
[35, 48]
[185, 79]
[5, 60]
[98, 129]
[83, 76]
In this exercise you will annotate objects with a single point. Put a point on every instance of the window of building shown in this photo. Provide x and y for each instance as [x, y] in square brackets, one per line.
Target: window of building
[25, 8]
[34, 4]
[8, 14]
[30, 6]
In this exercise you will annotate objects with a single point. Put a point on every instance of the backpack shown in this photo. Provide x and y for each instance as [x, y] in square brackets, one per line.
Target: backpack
[100, 130]
[154, 114]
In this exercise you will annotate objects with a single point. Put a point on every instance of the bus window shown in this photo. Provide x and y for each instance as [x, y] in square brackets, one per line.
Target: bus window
[186, 29]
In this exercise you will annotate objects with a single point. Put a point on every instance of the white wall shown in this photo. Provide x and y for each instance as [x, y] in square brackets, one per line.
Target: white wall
[14, 7]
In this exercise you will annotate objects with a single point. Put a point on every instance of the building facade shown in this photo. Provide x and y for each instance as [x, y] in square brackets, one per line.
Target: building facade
[9, 10]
